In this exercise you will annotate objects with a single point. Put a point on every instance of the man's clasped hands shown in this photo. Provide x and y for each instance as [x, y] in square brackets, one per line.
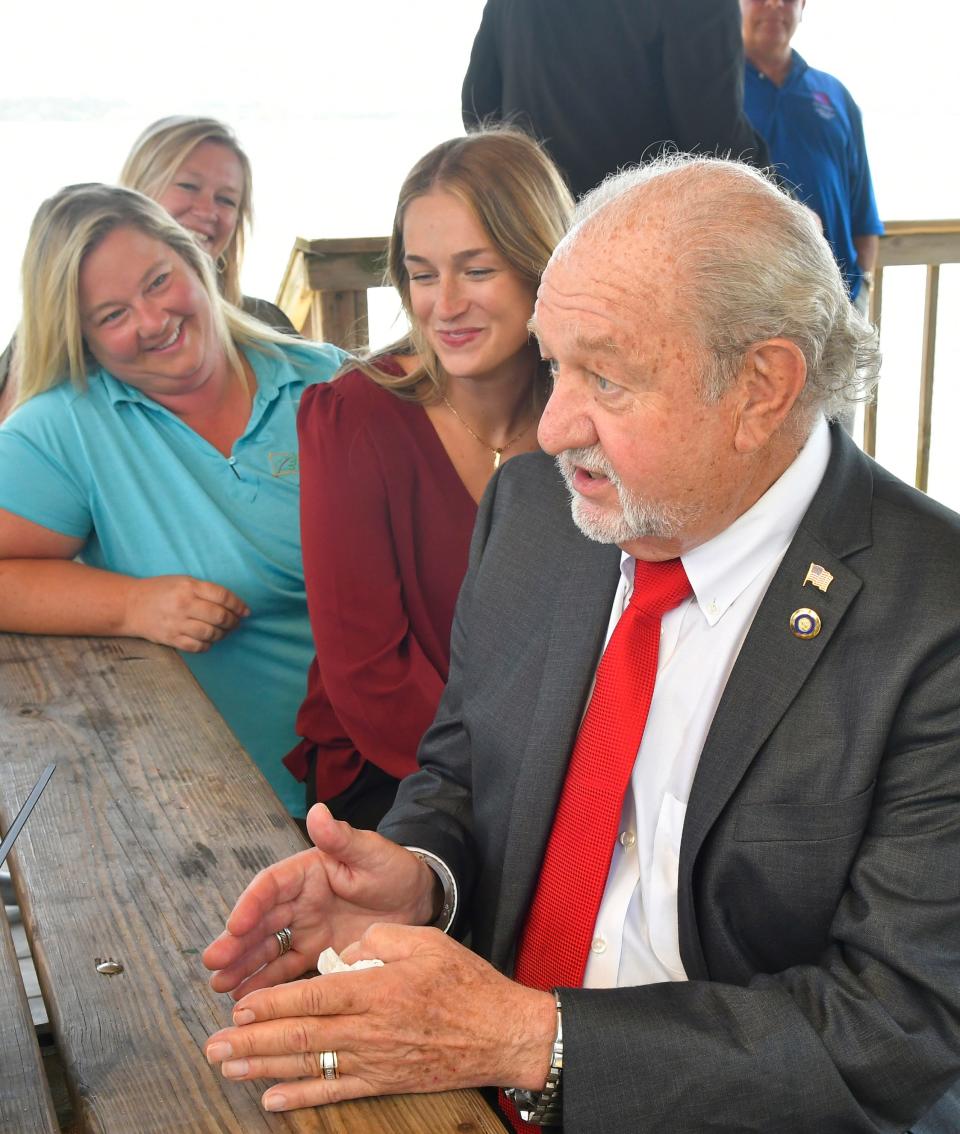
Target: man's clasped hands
[434, 1017]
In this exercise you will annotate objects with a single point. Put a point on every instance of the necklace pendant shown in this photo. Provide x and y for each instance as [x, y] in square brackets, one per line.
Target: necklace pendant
[497, 454]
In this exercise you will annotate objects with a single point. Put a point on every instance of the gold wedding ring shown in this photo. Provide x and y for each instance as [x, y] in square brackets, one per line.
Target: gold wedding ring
[284, 940]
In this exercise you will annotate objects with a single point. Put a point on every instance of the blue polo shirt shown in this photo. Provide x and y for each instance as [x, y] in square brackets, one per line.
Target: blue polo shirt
[149, 496]
[814, 131]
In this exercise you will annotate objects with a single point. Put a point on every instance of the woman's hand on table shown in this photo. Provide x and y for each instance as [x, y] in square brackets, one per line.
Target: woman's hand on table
[435, 1017]
[180, 611]
[326, 896]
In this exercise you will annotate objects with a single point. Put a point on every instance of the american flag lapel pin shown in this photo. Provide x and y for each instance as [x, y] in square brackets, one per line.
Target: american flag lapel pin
[819, 576]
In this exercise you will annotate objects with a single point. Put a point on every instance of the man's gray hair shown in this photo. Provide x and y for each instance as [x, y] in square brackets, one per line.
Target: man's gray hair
[752, 264]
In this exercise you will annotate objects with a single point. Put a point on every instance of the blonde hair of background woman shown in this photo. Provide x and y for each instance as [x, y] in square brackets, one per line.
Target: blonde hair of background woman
[152, 165]
[69, 225]
[522, 203]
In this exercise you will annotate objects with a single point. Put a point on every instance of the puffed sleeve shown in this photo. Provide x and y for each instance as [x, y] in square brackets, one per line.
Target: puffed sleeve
[379, 682]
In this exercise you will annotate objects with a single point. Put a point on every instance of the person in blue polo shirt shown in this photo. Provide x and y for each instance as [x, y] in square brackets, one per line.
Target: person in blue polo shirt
[149, 480]
[815, 134]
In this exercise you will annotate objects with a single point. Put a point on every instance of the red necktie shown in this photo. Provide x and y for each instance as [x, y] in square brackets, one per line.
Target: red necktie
[555, 942]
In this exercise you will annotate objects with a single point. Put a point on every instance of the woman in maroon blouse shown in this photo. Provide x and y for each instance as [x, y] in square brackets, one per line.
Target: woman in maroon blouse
[397, 451]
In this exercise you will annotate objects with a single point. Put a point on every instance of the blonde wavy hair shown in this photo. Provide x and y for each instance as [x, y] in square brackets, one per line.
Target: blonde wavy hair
[152, 165]
[67, 227]
[523, 204]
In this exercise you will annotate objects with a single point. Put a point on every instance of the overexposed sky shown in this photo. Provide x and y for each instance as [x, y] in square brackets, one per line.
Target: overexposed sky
[334, 102]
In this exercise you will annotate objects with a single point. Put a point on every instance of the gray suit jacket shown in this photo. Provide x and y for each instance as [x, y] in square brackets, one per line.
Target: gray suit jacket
[819, 890]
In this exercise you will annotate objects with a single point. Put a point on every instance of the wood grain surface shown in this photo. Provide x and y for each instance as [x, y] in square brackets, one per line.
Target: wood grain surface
[151, 826]
[25, 1103]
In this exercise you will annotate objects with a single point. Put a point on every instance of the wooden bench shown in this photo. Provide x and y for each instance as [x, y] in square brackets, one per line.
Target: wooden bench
[151, 826]
[26, 1106]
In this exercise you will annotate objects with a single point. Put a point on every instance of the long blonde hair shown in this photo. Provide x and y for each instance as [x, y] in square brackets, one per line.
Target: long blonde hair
[520, 199]
[68, 226]
[152, 165]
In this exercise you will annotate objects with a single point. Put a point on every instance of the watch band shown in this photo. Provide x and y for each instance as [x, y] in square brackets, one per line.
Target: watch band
[544, 1108]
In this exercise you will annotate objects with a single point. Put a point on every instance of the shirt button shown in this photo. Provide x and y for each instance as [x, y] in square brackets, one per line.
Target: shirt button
[598, 945]
[627, 839]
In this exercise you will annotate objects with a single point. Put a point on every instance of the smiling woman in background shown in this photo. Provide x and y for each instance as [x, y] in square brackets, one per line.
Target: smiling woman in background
[193, 167]
[397, 452]
[155, 439]
[196, 169]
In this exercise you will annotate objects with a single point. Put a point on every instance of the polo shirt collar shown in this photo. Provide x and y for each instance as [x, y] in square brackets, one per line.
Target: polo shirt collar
[270, 379]
[798, 68]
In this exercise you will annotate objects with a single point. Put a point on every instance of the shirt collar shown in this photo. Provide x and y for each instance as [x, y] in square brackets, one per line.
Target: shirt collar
[270, 379]
[798, 65]
[721, 569]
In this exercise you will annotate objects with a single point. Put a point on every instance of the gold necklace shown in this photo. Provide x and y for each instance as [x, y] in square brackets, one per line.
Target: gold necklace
[497, 452]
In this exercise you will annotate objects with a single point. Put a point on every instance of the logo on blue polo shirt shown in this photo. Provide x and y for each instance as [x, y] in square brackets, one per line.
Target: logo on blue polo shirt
[822, 105]
[283, 464]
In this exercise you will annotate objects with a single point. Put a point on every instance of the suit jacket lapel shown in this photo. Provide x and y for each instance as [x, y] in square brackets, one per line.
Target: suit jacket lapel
[773, 664]
[584, 588]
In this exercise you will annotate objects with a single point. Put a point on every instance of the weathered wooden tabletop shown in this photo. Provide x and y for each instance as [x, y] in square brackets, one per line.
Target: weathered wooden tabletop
[154, 821]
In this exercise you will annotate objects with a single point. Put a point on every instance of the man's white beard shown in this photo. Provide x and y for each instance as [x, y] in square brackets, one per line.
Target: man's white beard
[637, 518]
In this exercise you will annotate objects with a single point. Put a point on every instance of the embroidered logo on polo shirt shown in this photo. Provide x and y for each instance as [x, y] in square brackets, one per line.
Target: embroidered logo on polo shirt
[284, 464]
[822, 105]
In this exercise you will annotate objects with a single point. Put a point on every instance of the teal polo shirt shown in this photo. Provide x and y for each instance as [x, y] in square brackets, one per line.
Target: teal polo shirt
[149, 496]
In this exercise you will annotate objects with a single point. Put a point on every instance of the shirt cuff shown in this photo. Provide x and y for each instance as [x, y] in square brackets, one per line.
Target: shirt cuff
[448, 911]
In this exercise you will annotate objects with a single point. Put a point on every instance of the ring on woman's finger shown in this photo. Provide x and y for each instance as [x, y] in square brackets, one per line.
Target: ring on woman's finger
[284, 939]
[330, 1064]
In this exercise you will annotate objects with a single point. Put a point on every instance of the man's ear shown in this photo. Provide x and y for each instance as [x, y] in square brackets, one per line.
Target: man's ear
[773, 375]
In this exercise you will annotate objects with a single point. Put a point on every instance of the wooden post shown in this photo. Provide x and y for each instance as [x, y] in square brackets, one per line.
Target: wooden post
[324, 289]
[870, 410]
[927, 362]
[343, 319]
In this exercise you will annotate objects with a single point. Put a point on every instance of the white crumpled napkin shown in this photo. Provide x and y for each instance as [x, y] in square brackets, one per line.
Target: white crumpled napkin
[329, 962]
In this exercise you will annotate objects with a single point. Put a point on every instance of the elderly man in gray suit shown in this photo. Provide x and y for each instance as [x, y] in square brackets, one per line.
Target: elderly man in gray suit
[704, 840]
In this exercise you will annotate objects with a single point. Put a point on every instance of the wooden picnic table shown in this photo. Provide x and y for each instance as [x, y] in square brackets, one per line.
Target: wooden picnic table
[153, 823]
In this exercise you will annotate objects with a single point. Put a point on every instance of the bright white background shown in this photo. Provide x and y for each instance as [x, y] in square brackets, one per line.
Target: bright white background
[334, 102]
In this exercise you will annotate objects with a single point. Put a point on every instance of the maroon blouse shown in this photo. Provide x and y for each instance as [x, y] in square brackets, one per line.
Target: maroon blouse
[386, 524]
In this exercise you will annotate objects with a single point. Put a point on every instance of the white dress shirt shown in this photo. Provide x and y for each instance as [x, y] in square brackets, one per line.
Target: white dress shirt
[635, 939]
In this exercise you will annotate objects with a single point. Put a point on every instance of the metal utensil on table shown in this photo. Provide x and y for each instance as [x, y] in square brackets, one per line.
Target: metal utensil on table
[24, 813]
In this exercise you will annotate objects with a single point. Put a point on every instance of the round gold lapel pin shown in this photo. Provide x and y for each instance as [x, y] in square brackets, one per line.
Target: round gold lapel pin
[805, 623]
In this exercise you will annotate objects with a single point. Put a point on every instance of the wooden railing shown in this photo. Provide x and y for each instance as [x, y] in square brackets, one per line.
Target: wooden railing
[324, 288]
[324, 291]
[912, 243]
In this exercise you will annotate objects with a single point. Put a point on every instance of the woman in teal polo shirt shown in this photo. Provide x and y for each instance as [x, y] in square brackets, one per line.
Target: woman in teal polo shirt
[149, 482]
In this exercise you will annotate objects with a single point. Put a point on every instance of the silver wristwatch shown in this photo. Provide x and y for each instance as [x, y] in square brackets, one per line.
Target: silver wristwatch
[544, 1108]
[448, 910]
